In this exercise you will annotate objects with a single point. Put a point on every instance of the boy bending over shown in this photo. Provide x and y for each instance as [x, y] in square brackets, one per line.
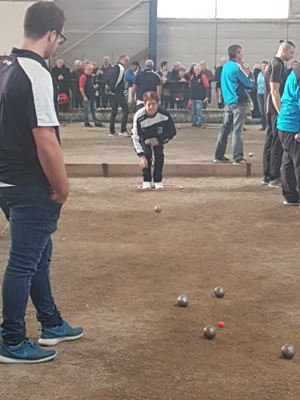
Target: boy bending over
[153, 126]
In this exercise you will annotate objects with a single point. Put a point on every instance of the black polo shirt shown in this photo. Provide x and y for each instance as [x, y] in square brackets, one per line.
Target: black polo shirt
[275, 72]
[27, 100]
[146, 81]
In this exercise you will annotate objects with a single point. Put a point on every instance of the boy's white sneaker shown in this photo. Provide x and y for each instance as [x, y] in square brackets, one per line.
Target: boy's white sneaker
[146, 185]
[158, 185]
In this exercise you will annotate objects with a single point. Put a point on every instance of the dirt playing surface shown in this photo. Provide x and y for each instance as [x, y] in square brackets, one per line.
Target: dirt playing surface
[118, 268]
[191, 145]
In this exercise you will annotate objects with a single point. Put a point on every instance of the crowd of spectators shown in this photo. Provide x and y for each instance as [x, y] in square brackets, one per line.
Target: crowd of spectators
[181, 87]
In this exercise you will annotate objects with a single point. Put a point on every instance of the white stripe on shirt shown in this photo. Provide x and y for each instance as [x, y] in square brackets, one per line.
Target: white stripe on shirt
[42, 90]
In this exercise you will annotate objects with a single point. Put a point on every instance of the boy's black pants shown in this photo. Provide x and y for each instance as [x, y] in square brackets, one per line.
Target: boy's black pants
[158, 162]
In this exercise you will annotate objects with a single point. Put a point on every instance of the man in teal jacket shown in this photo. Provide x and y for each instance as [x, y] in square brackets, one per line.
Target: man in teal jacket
[288, 124]
[235, 85]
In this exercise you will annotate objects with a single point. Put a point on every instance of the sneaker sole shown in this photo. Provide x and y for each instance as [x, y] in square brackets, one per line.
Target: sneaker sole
[291, 204]
[274, 186]
[53, 342]
[221, 161]
[7, 360]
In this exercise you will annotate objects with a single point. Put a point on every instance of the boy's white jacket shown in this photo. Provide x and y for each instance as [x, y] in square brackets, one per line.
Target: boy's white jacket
[161, 127]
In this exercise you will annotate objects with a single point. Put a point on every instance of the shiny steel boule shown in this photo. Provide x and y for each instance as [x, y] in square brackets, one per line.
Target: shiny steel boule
[182, 301]
[210, 332]
[288, 351]
[219, 292]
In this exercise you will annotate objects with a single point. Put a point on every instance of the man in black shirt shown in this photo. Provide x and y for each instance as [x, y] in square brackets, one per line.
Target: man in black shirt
[116, 89]
[33, 186]
[146, 81]
[275, 77]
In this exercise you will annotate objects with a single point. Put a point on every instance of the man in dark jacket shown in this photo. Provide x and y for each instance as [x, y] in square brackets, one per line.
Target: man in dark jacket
[102, 78]
[87, 90]
[116, 88]
[75, 75]
[146, 81]
[218, 74]
[61, 77]
[200, 94]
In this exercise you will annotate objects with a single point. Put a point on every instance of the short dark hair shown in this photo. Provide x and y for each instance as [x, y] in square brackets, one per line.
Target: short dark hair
[122, 57]
[265, 62]
[135, 63]
[42, 17]
[163, 63]
[288, 42]
[232, 50]
[150, 96]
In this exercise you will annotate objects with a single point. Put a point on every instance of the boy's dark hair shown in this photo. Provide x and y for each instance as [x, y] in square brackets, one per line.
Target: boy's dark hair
[232, 50]
[136, 63]
[150, 96]
[42, 17]
[265, 62]
[163, 63]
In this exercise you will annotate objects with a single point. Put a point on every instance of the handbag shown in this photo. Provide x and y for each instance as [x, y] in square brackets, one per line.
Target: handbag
[178, 97]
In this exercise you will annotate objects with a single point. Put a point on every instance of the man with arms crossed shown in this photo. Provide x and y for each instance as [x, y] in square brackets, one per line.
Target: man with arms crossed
[33, 186]
[275, 77]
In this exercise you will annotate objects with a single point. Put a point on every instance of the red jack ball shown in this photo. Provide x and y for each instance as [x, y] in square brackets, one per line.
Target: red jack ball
[221, 324]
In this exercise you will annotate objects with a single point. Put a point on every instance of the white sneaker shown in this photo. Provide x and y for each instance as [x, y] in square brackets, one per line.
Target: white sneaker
[125, 133]
[146, 185]
[158, 185]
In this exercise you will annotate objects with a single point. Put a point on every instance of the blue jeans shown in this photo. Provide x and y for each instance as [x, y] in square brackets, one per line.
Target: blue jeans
[197, 117]
[89, 106]
[33, 218]
[261, 106]
[233, 120]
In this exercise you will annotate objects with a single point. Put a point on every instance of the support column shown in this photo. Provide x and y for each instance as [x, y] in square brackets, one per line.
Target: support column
[153, 31]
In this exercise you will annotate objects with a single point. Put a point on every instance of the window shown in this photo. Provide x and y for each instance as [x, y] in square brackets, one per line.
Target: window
[209, 9]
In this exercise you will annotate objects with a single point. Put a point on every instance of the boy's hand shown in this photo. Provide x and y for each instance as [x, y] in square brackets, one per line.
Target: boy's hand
[154, 142]
[143, 162]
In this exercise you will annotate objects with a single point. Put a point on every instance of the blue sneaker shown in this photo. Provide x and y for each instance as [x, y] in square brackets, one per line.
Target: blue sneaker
[27, 352]
[62, 333]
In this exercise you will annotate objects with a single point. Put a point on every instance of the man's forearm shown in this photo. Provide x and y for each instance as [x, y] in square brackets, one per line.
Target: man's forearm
[51, 159]
[82, 92]
[158, 92]
[276, 100]
[133, 90]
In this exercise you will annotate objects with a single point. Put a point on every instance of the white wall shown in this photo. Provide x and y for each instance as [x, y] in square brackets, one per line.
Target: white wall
[11, 25]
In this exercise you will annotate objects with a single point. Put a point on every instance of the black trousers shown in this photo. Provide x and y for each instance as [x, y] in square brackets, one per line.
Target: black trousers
[104, 100]
[290, 173]
[272, 156]
[158, 162]
[116, 101]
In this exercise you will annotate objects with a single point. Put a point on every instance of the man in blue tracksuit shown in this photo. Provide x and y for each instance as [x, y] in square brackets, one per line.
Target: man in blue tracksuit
[235, 85]
[288, 124]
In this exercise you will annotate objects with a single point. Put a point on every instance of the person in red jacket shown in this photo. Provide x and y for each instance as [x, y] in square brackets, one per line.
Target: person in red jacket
[199, 94]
